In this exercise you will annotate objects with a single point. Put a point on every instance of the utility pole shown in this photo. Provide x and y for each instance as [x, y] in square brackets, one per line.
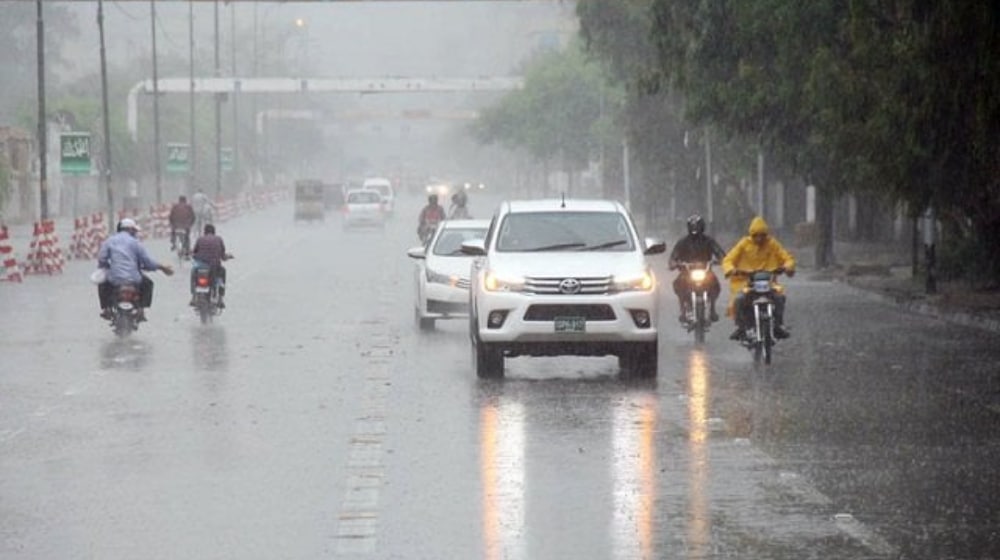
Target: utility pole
[709, 203]
[255, 166]
[218, 110]
[236, 113]
[192, 151]
[106, 171]
[43, 137]
[156, 109]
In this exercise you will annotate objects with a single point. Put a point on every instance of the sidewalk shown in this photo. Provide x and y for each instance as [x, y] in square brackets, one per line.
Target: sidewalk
[884, 273]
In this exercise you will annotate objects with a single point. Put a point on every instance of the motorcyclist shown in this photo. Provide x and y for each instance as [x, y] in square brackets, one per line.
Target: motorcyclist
[204, 209]
[181, 220]
[756, 251]
[459, 207]
[209, 251]
[124, 258]
[430, 216]
[696, 247]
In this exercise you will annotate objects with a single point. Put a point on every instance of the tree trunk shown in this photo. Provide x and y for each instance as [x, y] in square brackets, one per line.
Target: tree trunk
[824, 223]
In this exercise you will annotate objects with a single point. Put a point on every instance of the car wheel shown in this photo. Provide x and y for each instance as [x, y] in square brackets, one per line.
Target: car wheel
[640, 360]
[487, 358]
[425, 323]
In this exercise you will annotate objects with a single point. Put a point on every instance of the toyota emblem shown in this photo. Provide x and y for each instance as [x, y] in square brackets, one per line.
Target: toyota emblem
[570, 286]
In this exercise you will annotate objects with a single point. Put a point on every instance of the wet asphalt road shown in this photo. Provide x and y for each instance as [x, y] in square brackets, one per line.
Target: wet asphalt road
[314, 421]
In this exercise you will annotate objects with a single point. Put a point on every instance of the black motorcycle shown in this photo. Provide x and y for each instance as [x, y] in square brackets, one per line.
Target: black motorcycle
[759, 296]
[697, 320]
[125, 310]
[207, 297]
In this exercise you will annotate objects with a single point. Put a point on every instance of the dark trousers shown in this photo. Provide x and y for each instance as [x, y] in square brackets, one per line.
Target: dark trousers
[743, 312]
[184, 234]
[106, 291]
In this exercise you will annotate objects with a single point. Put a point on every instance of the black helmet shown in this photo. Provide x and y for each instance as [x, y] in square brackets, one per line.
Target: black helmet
[695, 225]
[209, 229]
[432, 199]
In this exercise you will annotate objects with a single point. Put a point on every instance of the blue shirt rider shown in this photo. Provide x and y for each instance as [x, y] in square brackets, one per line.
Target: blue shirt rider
[124, 258]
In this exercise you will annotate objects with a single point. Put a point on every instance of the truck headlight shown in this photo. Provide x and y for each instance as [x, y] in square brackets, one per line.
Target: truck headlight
[434, 277]
[493, 282]
[644, 282]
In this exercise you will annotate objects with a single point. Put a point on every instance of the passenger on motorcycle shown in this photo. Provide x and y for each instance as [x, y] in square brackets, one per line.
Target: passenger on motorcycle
[459, 207]
[124, 258]
[430, 216]
[181, 220]
[209, 252]
[696, 247]
[204, 209]
[757, 251]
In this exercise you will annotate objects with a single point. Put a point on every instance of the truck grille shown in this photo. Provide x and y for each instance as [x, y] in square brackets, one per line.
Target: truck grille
[549, 312]
[558, 286]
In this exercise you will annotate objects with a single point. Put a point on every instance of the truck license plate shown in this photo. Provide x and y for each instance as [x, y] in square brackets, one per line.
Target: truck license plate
[571, 324]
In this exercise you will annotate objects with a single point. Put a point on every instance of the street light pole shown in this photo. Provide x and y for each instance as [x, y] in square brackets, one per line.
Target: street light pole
[156, 108]
[218, 110]
[192, 151]
[106, 171]
[43, 137]
[236, 113]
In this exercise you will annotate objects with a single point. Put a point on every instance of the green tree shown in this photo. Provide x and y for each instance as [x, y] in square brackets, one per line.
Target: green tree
[560, 114]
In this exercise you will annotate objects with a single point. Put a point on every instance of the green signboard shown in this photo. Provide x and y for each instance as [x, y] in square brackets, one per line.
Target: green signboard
[178, 160]
[226, 158]
[74, 149]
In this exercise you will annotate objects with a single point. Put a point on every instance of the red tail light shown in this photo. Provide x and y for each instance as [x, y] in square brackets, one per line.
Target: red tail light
[202, 281]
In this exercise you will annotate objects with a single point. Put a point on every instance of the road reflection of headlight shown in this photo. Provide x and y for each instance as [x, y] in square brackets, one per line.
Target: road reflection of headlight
[699, 524]
[634, 476]
[501, 437]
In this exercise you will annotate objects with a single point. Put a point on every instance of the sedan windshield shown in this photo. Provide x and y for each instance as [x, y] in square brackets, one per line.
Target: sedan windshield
[564, 231]
[449, 243]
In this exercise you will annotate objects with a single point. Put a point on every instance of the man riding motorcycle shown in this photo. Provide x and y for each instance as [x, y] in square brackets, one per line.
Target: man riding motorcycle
[209, 252]
[696, 247]
[430, 216]
[181, 220]
[124, 258]
[756, 251]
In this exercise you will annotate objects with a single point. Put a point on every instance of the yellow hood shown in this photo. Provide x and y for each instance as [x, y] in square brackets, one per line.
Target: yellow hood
[758, 225]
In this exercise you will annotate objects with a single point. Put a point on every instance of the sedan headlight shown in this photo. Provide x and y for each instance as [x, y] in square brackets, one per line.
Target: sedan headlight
[644, 282]
[435, 277]
[493, 282]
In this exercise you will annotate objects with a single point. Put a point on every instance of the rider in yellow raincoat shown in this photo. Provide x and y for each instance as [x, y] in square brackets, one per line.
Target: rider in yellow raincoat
[757, 251]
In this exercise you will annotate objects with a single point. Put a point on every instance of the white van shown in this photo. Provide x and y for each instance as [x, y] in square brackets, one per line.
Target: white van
[384, 188]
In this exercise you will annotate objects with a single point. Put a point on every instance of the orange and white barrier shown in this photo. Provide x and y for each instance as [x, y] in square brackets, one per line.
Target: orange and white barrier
[10, 271]
[44, 256]
[88, 234]
[159, 218]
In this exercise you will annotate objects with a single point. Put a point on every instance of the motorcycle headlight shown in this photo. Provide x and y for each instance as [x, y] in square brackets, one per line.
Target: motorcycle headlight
[493, 282]
[644, 282]
[435, 277]
[762, 286]
[698, 275]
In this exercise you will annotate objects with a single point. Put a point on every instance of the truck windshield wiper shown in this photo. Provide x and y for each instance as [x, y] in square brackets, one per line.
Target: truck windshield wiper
[607, 245]
[556, 247]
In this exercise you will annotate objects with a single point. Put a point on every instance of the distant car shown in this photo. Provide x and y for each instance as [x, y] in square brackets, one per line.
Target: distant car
[558, 277]
[363, 207]
[442, 272]
[384, 188]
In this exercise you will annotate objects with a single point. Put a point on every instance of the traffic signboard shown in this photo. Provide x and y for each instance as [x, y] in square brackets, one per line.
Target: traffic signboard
[74, 148]
[178, 157]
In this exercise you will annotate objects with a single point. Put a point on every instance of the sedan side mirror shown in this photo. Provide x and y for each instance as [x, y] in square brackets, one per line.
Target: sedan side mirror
[474, 247]
[417, 253]
[655, 246]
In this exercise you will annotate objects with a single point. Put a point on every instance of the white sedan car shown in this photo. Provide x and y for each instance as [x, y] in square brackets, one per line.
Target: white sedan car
[363, 208]
[442, 272]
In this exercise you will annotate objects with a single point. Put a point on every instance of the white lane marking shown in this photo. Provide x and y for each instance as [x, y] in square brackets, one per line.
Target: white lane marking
[358, 522]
